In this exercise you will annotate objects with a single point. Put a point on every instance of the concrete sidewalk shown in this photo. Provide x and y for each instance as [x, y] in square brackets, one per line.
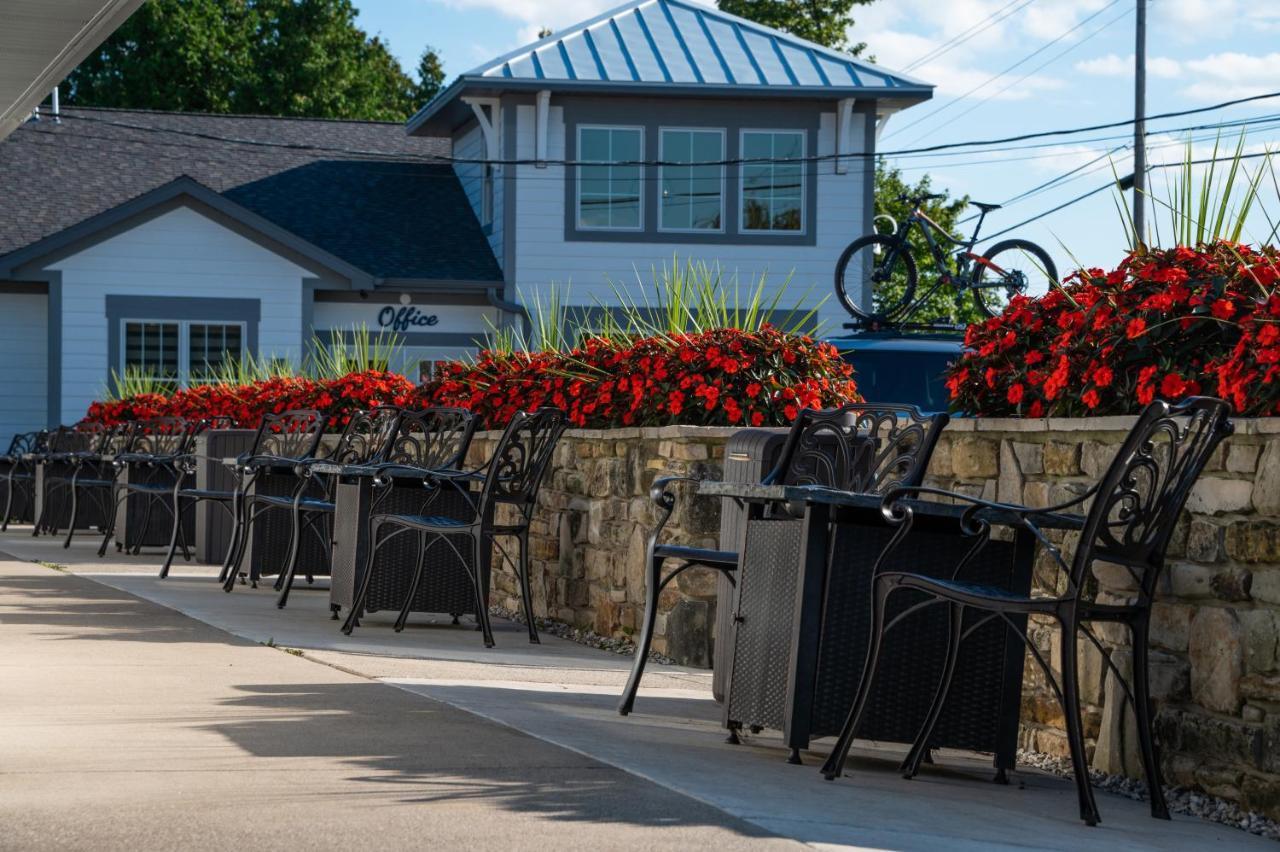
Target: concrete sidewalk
[127, 725]
[564, 694]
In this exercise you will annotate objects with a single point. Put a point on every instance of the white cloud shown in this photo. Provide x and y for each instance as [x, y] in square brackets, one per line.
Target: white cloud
[1224, 76]
[1114, 65]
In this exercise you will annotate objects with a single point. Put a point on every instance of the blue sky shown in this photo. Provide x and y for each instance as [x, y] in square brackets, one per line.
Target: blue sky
[1200, 52]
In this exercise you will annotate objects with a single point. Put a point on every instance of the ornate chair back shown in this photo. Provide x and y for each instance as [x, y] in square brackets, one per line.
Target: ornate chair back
[862, 447]
[367, 436]
[433, 438]
[521, 457]
[290, 434]
[1139, 498]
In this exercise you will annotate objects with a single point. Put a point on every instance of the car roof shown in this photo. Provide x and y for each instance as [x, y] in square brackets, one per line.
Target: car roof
[943, 345]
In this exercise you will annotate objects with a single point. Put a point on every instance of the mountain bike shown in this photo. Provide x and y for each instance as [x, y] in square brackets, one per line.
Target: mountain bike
[879, 272]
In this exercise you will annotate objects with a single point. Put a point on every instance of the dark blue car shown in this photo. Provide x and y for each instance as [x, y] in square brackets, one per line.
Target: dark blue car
[905, 368]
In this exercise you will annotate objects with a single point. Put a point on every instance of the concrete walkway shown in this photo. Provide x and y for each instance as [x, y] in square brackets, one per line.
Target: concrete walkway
[564, 695]
[126, 725]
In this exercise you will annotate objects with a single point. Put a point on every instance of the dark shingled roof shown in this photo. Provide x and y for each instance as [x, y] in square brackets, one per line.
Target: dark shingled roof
[392, 218]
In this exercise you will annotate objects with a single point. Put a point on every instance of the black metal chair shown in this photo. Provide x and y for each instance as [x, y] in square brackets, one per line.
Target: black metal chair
[285, 442]
[511, 478]
[20, 478]
[863, 447]
[1131, 516]
[281, 440]
[364, 440]
[94, 475]
[76, 450]
[146, 473]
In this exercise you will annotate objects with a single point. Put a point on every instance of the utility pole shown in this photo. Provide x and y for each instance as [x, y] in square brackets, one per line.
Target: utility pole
[1140, 125]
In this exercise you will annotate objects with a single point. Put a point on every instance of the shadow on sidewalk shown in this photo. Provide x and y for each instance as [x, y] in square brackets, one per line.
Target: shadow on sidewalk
[434, 753]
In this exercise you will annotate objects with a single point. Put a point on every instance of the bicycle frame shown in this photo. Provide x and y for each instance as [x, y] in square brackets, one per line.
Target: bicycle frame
[962, 278]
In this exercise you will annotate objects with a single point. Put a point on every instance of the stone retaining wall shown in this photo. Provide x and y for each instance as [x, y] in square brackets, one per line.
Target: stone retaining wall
[1216, 629]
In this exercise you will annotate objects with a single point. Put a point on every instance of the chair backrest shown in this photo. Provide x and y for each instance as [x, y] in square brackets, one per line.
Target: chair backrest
[367, 436]
[433, 438]
[163, 436]
[90, 436]
[1141, 495]
[862, 447]
[24, 442]
[521, 458]
[290, 434]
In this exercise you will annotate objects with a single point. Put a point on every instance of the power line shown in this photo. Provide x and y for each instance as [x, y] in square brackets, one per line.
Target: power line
[1124, 183]
[1032, 55]
[449, 159]
[1034, 70]
[974, 30]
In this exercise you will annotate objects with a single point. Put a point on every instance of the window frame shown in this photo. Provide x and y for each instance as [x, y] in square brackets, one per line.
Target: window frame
[804, 182]
[577, 188]
[183, 379]
[724, 188]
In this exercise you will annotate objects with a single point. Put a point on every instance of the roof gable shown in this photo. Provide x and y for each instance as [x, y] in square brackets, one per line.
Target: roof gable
[680, 42]
[679, 47]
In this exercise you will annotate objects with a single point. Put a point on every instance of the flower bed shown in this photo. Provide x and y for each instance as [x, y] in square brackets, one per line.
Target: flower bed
[244, 405]
[1165, 323]
[723, 377]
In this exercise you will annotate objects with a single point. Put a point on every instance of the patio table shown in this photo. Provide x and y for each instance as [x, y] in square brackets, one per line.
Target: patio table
[801, 621]
[447, 586]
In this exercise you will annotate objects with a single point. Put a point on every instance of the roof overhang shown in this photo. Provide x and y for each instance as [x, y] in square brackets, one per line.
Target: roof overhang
[446, 111]
[41, 41]
[183, 189]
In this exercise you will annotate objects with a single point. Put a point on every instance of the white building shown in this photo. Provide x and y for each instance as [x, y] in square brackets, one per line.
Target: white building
[662, 129]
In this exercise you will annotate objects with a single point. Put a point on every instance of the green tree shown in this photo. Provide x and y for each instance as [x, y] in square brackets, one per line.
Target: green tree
[824, 22]
[430, 77]
[269, 57]
[942, 306]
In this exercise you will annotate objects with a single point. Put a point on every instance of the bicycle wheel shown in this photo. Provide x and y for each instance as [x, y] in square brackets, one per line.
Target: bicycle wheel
[1011, 267]
[878, 267]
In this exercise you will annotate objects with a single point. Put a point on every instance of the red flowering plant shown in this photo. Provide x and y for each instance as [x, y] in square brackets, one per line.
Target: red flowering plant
[1167, 323]
[144, 406]
[720, 377]
[363, 391]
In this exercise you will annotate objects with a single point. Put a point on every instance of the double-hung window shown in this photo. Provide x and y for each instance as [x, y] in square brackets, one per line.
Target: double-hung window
[181, 352]
[692, 196]
[773, 181]
[610, 178]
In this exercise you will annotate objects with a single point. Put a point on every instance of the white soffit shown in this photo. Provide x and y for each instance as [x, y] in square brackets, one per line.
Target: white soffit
[41, 41]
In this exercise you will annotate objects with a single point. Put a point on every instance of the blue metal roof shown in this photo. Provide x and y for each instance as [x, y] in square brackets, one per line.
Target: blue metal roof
[672, 45]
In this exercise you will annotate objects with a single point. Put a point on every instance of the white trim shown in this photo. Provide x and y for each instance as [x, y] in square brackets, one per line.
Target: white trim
[488, 123]
[542, 116]
[184, 341]
[724, 142]
[845, 145]
[577, 183]
[804, 189]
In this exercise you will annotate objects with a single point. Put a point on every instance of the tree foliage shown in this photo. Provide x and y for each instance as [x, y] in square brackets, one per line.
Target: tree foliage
[824, 22]
[265, 57]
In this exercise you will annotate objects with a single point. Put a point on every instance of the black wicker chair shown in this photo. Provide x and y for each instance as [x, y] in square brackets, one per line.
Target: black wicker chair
[282, 440]
[19, 476]
[1131, 516]
[864, 447]
[146, 473]
[510, 478]
[364, 440]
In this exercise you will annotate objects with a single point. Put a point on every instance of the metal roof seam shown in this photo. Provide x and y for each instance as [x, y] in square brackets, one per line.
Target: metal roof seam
[595, 54]
[684, 45]
[715, 48]
[657, 54]
[626, 54]
[751, 57]
[786, 66]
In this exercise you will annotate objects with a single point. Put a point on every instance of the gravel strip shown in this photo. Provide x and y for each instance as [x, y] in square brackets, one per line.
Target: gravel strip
[1181, 800]
[623, 646]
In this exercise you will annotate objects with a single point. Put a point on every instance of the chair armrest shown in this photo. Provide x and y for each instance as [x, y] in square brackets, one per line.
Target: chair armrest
[664, 498]
[993, 508]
